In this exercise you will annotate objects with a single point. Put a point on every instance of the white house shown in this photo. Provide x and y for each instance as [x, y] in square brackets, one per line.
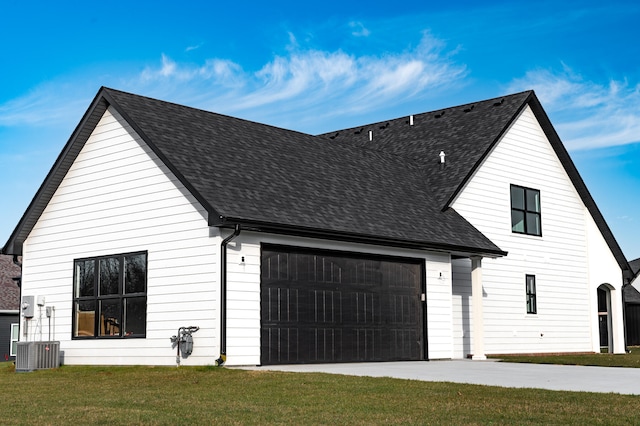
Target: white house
[461, 232]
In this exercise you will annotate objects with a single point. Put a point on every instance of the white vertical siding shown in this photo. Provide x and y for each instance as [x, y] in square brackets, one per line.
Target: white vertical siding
[559, 259]
[118, 197]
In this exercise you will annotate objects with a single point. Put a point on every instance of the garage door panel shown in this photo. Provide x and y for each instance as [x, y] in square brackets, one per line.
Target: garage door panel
[337, 308]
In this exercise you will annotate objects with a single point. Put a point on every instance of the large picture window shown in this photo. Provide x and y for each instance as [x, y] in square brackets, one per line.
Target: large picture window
[525, 211]
[110, 296]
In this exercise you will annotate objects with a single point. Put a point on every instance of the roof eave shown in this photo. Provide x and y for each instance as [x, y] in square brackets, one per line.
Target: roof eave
[484, 155]
[301, 231]
[581, 187]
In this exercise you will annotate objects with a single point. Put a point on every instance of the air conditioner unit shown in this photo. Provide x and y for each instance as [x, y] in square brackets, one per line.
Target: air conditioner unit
[37, 356]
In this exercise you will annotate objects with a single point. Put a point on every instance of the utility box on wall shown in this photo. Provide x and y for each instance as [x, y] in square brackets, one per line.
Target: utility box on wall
[28, 306]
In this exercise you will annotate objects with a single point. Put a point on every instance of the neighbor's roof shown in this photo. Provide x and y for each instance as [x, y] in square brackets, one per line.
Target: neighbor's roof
[388, 191]
[9, 290]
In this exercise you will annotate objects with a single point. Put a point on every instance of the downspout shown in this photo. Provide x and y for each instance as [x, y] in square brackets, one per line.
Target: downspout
[19, 283]
[625, 282]
[223, 296]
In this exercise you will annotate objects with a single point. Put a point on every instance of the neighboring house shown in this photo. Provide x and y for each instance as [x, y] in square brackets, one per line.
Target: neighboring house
[461, 232]
[9, 307]
[632, 307]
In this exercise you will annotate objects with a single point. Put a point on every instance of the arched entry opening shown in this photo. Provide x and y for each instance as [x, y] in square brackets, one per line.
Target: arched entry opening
[604, 318]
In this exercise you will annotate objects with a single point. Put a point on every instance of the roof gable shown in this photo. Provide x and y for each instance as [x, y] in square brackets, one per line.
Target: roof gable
[279, 180]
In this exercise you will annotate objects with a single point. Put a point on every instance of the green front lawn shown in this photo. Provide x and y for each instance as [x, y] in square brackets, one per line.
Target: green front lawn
[631, 359]
[211, 395]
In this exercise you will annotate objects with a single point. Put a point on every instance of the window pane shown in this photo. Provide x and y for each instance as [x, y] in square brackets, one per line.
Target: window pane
[135, 280]
[533, 224]
[110, 317]
[135, 316]
[517, 198]
[531, 304]
[531, 293]
[85, 318]
[84, 285]
[533, 201]
[109, 275]
[517, 221]
[15, 330]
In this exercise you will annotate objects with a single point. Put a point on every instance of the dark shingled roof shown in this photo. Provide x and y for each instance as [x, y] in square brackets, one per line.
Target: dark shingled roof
[465, 133]
[9, 290]
[391, 190]
[272, 178]
[631, 295]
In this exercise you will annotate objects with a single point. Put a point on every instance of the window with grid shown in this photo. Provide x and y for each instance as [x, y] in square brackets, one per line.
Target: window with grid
[525, 211]
[531, 294]
[110, 296]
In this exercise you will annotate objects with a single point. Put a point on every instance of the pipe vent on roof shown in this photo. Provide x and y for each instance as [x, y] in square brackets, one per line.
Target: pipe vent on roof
[370, 135]
[411, 120]
[442, 155]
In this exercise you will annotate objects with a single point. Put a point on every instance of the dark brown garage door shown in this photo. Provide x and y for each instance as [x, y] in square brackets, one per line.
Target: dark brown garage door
[320, 306]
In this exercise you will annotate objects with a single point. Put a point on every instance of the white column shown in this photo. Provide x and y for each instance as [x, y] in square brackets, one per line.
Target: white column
[617, 321]
[476, 302]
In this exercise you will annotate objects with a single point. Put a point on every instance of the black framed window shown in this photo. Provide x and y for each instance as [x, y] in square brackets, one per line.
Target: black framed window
[110, 296]
[525, 211]
[530, 281]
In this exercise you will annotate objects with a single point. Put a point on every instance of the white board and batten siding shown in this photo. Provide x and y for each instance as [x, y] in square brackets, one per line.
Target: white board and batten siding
[243, 292]
[567, 260]
[117, 198]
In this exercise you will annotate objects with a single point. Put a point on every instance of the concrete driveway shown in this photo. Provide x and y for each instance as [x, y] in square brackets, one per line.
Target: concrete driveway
[492, 373]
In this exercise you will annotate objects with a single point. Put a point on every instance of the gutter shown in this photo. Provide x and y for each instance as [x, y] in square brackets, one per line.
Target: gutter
[223, 296]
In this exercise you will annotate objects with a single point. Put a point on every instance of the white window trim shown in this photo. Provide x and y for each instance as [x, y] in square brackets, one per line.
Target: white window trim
[11, 338]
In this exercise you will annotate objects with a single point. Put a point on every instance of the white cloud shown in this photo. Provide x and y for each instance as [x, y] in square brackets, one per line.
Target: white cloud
[45, 105]
[586, 114]
[359, 29]
[302, 89]
[307, 85]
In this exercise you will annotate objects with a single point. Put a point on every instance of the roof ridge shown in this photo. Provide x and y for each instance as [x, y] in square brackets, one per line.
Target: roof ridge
[434, 111]
[202, 110]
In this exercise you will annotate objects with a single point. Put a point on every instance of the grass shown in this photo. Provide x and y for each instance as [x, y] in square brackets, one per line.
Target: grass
[630, 359]
[211, 395]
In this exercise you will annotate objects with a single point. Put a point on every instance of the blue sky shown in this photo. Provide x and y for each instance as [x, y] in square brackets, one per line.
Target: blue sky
[320, 67]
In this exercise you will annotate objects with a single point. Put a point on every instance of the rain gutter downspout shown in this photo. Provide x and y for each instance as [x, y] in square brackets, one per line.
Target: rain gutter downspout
[223, 296]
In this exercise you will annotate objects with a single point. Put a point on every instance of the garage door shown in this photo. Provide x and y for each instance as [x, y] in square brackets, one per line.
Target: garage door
[319, 306]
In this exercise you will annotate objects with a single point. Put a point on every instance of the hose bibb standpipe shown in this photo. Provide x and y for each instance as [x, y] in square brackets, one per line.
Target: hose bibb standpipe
[184, 342]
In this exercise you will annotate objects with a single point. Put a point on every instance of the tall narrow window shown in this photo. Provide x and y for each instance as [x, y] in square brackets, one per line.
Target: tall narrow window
[110, 296]
[531, 294]
[15, 331]
[525, 211]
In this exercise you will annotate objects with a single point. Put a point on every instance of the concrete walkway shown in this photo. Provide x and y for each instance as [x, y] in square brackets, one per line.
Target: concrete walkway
[492, 373]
